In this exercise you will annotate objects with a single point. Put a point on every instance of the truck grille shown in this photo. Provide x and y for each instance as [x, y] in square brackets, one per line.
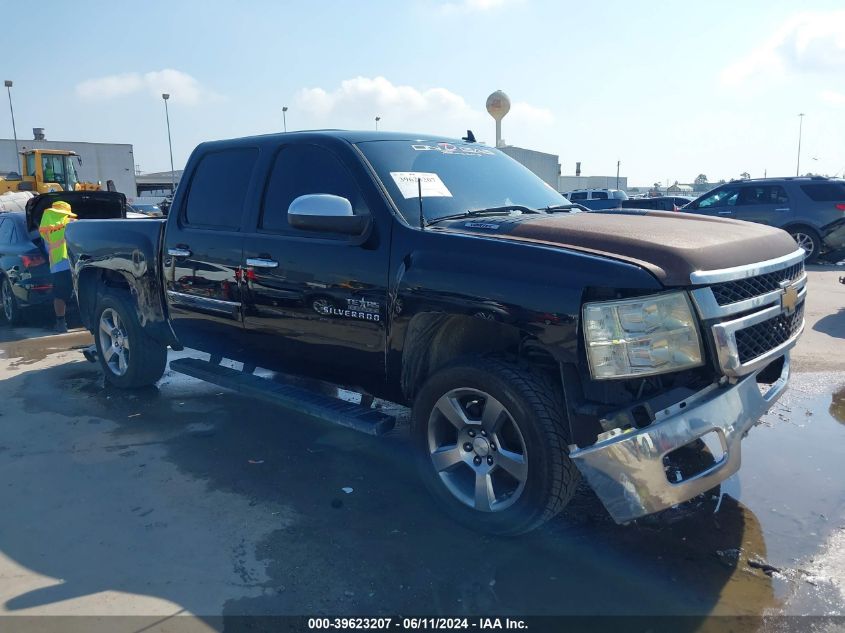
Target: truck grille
[758, 339]
[741, 289]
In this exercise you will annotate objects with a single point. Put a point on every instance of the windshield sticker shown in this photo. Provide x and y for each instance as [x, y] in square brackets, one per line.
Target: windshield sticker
[409, 184]
[454, 150]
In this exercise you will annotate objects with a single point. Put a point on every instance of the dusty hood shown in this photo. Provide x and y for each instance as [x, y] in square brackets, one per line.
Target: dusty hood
[669, 245]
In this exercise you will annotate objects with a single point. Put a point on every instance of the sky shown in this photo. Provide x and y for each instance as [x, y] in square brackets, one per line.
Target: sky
[670, 89]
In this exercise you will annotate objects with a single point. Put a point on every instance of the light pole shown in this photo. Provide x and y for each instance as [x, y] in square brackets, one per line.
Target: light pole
[618, 162]
[800, 125]
[8, 84]
[166, 96]
[285, 117]
[378, 118]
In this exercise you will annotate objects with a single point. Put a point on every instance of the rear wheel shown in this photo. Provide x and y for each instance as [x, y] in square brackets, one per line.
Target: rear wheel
[130, 358]
[809, 240]
[492, 447]
[12, 313]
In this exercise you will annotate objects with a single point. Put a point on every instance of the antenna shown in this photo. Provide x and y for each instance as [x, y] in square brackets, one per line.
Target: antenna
[419, 195]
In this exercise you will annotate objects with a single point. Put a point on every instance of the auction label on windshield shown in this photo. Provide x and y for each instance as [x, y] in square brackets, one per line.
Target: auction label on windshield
[411, 183]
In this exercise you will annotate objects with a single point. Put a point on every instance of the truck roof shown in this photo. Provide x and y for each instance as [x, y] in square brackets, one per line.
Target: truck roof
[351, 136]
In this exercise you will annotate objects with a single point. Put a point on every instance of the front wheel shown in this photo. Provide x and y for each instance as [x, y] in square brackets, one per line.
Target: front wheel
[130, 358]
[808, 240]
[492, 446]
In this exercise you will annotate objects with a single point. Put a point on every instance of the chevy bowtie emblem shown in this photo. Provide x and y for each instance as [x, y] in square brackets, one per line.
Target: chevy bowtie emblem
[789, 299]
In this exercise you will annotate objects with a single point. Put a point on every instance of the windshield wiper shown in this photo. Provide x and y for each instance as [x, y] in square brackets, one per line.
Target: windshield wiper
[488, 211]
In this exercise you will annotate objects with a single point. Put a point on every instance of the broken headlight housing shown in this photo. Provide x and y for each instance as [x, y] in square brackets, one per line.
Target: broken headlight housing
[642, 336]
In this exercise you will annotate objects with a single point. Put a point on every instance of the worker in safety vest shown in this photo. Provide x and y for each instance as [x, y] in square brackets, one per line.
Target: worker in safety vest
[52, 230]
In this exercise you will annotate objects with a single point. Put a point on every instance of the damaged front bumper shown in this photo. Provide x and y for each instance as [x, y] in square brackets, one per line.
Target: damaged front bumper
[627, 471]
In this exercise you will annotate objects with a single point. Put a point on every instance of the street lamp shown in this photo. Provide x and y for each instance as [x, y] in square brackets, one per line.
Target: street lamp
[285, 117]
[166, 96]
[800, 125]
[378, 118]
[8, 84]
[618, 162]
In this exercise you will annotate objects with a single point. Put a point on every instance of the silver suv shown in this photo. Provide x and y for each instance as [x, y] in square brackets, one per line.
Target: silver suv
[811, 209]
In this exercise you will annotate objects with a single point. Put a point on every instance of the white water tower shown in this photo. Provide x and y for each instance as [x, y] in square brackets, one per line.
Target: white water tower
[498, 105]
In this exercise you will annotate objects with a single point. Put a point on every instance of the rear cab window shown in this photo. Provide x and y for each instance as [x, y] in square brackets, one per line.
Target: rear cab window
[825, 191]
[599, 195]
[218, 188]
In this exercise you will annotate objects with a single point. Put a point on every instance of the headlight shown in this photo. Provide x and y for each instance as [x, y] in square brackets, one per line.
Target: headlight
[642, 336]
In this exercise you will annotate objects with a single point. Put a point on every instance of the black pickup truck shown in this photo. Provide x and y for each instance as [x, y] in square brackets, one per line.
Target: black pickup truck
[533, 343]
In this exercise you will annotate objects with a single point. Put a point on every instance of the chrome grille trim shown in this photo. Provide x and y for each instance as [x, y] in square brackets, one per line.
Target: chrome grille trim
[709, 308]
[700, 277]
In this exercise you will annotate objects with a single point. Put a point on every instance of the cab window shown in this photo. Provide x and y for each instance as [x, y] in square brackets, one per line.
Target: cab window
[30, 165]
[218, 188]
[300, 170]
[599, 195]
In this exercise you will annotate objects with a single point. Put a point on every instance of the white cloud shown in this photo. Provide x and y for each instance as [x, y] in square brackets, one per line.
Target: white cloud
[356, 102]
[811, 41]
[832, 97]
[475, 6]
[182, 87]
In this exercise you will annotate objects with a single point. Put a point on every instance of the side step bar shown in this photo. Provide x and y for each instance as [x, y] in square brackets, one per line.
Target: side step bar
[316, 405]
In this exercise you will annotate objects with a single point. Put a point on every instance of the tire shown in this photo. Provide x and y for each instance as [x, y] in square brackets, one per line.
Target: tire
[523, 468]
[11, 309]
[808, 239]
[119, 334]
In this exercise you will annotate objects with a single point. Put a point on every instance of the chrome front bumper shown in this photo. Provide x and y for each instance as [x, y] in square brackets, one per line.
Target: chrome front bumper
[627, 472]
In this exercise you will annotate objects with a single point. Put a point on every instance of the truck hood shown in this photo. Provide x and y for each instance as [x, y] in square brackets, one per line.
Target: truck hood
[670, 245]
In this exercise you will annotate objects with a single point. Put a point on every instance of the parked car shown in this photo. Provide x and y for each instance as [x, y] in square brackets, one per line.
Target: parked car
[597, 198]
[25, 282]
[24, 271]
[532, 344]
[810, 209]
[661, 203]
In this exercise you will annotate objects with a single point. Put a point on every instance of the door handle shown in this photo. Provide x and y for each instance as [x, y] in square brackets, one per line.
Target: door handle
[260, 262]
[725, 212]
[782, 209]
[179, 252]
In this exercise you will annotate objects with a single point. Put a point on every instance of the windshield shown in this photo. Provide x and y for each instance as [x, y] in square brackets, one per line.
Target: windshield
[454, 178]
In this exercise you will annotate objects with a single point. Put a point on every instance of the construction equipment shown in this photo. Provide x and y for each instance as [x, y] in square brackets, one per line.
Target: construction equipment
[46, 170]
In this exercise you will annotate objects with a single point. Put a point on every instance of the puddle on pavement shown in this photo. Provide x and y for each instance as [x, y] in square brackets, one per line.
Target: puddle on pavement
[780, 510]
[26, 351]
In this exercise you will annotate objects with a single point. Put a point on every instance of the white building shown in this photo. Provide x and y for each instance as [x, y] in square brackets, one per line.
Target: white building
[100, 161]
[568, 183]
[546, 166]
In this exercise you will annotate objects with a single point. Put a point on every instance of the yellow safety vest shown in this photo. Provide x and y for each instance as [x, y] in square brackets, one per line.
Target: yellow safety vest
[52, 230]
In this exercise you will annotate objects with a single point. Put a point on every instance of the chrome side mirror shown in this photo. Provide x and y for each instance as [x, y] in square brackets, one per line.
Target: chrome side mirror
[326, 213]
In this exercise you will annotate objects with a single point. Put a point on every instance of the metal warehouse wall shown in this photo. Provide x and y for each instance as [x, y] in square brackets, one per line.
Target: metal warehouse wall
[546, 166]
[100, 161]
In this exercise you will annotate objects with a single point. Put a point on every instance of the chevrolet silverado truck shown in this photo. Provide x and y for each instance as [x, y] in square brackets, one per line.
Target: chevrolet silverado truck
[534, 345]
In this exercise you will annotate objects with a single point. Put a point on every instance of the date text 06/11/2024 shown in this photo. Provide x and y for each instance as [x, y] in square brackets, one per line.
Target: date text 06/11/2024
[417, 623]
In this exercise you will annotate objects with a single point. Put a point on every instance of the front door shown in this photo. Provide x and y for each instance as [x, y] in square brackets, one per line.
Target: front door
[314, 303]
[203, 252]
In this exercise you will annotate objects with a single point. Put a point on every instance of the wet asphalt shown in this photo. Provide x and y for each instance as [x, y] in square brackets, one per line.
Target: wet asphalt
[186, 498]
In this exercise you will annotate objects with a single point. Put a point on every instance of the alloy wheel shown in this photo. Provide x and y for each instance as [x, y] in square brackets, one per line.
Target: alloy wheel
[477, 450]
[804, 241]
[114, 342]
[8, 301]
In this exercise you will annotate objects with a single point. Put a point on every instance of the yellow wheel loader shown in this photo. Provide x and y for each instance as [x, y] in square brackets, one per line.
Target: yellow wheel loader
[46, 170]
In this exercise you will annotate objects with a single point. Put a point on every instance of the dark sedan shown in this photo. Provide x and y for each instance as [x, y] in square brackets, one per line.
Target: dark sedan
[24, 272]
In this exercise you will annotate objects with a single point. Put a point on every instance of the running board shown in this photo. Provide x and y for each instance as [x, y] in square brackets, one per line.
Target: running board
[298, 399]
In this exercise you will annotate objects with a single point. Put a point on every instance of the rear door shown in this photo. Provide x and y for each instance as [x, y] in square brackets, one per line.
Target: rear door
[203, 251]
[315, 301]
[762, 203]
